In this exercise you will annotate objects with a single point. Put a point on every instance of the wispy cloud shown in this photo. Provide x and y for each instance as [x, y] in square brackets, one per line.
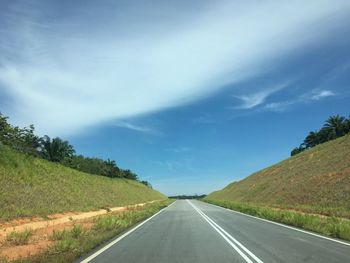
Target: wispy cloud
[181, 165]
[314, 95]
[205, 119]
[322, 94]
[258, 98]
[128, 125]
[178, 149]
[110, 61]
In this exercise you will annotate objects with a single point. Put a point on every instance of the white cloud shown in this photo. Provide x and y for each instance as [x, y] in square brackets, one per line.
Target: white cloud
[70, 73]
[258, 98]
[128, 125]
[322, 94]
[314, 95]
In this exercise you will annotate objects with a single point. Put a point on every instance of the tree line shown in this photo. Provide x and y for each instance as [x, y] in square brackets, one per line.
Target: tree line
[334, 127]
[188, 196]
[57, 150]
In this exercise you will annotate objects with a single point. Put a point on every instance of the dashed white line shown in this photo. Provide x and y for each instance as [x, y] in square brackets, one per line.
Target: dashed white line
[227, 238]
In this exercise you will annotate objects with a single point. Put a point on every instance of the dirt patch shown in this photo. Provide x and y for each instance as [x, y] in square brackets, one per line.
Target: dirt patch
[23, 251]
[58, 219]
[43, 229]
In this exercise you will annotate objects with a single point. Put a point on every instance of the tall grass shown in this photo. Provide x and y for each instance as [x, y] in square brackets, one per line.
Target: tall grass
[330, 226]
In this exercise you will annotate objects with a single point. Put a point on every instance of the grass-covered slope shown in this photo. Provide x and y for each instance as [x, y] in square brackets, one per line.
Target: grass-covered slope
[316, 181]
[31, 186]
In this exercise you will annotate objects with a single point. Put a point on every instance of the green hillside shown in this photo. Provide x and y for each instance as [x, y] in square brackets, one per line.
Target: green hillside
[315, 181]
[31, 186]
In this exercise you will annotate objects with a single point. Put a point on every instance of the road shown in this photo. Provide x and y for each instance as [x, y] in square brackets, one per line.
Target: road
[193, 231]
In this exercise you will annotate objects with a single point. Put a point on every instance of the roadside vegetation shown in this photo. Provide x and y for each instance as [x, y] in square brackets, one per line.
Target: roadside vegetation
[69, 244]
[334, 127]
[19, 238]
[330, 226]
[31, 186]
[310, 190]
[187, 196]
[59, 151]
[316, 181]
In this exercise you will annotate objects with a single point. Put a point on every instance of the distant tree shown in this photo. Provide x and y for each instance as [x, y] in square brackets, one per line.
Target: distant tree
[311, 140]
[30, 143]
[336, 125]
[129, 175]
[5, 129]
[112, 169]
[146, 184]
[347, 125]
[23, 140]
[297, 150]
[56, 150]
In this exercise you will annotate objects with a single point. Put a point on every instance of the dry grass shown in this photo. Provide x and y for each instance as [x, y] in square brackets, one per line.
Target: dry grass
[31, 186]
[315, 181]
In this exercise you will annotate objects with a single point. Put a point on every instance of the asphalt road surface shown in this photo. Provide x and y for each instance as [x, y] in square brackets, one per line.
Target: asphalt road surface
[193, 231]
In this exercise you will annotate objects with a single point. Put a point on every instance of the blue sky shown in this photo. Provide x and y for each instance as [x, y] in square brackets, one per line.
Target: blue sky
[191, 95]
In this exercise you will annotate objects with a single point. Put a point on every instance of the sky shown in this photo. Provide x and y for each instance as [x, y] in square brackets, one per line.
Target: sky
[190, 95]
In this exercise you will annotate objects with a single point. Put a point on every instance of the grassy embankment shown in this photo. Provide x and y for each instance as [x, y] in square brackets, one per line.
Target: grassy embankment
[31, 186]
[310, 190]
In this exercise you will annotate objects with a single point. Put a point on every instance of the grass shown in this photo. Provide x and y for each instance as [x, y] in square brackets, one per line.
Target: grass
[316, 181]
[58, 235]
[31, 186]
[19, 238]
[330, 226]
[69, 245]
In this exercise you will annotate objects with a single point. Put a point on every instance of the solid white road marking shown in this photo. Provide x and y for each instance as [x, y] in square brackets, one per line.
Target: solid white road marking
[121, 237]
[282, 225]
[227, 236]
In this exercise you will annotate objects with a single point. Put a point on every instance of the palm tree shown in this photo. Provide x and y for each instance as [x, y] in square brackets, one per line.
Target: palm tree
[311, 140]
[336, 125]
[56, 150]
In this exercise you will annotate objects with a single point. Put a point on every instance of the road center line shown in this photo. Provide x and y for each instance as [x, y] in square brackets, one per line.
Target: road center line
[282, 225]
[227, 237]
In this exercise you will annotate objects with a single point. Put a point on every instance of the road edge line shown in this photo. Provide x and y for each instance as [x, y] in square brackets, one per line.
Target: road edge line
[282, 225]
[112, 243]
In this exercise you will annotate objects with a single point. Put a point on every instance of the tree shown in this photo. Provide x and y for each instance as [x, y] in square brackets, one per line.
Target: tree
[5, 129]
[129, 175]
[336, 126]
[297, 150]
[23, 140]
[311, 140]
[146, 184]
[112, 169]
[56, 150]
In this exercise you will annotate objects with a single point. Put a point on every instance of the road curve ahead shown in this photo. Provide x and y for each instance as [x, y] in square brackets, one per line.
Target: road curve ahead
[193, 231]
